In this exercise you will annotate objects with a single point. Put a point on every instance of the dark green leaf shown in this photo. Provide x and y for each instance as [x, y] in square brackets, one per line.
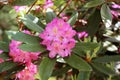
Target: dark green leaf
[61, 71]
[106, 59]
[22, 2]
[46, 68]
[6, 66]
[73, 18]
[94, 3]
[36, 20]
[84, 75]
[86, 46]
[103, 68]
[106, 15]
[26, 38]
[50, 15]
[4, 46]
[32, 47]
[4, 56]
[78, 63]
[31, 24]
[93, 22]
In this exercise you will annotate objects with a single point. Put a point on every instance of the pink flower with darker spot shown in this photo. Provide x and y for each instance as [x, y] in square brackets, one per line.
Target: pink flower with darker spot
[58, 37]
[27, 73]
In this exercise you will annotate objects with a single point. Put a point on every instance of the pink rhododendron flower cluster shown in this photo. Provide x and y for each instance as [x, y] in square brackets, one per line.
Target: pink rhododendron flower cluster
[58, 37]
[19, 55]
[48, 3]
[24, 57]
[27, 73]
[82, 34]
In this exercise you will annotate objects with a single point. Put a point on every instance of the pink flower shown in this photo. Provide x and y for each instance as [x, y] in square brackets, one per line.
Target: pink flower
[64, 17]
[82, 34]
[1, 51]
[19, 55]
[48, 3]
[1, 60]
[115, 13]
[58, 37]
[27, 73]
[115, 6]
[19, 8]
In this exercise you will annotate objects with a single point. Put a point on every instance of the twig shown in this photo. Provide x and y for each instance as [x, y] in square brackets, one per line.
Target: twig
[31, 7]
[21, 23]
[64, 7]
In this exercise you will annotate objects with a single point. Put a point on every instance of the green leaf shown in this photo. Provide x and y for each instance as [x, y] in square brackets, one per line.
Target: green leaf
[106, 59]
[61, 71]
[26, 38]
[31, 24]
[4, 56]
[78, 63]
[7, 65]
[73, 18]
[50, 15]
[4, 46]
[32, 47]
[106, 15]
[94, 22]
[22, 2]
[103, 68]
[36, 20]
[84, 75]
[94, 3]
[46, 68]
[57, 3]
[83, 47]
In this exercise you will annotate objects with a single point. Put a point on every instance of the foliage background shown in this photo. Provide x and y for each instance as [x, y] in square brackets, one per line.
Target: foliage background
[98, 52]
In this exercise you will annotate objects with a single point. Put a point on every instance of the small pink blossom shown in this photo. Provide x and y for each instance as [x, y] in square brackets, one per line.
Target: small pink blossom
[19, 8]
[82, 34]
[27, 73]
[58, 37]
[115, 6]
[48, 3]
[64, 17]
[1, 60]
[115, 14]
[1, 51]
